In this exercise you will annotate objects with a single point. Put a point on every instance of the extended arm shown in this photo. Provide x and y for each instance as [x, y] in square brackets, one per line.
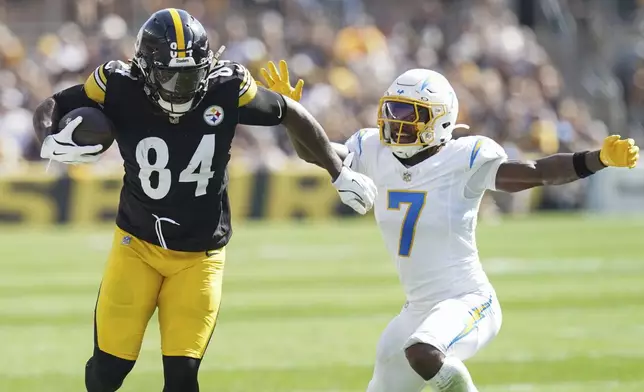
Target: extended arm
[557, 169]
[515, 176]
[305, 154]
[270, 108]
[305, 130]
[278, 81]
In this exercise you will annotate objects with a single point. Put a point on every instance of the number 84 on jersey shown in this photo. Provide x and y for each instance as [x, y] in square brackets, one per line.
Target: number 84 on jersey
[198, 169]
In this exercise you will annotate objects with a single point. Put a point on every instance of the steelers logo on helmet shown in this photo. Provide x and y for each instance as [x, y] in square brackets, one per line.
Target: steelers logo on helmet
[213, 115]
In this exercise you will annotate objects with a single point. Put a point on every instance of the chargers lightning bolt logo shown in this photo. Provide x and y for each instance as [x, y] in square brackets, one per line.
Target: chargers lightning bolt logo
[424, 86]
[475, 152]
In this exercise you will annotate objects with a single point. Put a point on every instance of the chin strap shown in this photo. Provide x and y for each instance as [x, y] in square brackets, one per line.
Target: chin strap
[457, 126]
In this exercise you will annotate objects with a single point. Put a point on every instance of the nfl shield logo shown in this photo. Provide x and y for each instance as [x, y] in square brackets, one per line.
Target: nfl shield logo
[126, 240]
[406, 176]
[213, 115]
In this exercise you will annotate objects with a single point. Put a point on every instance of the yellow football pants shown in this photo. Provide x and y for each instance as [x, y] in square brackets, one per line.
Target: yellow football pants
[138, 278]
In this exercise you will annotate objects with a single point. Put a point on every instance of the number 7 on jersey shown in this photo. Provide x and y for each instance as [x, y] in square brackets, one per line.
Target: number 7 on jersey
[416, 202]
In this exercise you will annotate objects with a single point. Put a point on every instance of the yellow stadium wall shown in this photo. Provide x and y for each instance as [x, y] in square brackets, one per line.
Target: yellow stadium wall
[80, 197]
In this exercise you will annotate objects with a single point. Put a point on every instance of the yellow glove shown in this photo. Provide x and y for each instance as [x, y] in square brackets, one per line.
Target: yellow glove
[279, 82]
[619, 153]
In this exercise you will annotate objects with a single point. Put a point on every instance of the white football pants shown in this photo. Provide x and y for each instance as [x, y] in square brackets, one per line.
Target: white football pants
[458, 327]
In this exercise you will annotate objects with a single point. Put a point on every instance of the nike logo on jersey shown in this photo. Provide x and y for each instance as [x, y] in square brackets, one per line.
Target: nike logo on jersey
[279, 115]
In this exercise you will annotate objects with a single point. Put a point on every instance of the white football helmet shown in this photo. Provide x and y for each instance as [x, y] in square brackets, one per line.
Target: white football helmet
[418, 111]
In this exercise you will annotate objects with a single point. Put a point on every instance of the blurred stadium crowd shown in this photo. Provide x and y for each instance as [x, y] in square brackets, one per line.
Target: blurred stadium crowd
[348, 52]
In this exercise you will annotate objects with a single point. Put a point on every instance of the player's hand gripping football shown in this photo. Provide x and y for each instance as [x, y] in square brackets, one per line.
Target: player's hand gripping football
[60, 147]
[619, 152]
[278, 81]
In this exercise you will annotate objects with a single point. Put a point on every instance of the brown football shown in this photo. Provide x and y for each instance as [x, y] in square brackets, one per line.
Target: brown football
[96, 127]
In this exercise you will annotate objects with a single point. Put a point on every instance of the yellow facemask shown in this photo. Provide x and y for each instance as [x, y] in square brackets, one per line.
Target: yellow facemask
[406, 121]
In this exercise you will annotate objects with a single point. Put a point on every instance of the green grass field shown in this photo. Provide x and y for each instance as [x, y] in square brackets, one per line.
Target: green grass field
[304, 305]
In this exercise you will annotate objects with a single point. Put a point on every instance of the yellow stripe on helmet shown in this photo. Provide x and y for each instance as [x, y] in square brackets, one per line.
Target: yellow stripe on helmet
[178, 29]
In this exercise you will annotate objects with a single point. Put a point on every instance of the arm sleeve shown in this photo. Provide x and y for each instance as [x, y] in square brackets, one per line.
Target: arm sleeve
[267, 108]
[72, 98]
[485, 159]
[89, 94]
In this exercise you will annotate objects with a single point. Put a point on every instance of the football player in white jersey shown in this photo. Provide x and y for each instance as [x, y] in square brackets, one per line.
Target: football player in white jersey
[429, 191]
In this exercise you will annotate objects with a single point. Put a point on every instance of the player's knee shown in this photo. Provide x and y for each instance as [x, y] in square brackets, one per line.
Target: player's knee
[180, 374]
[105, 372]
[425, 359]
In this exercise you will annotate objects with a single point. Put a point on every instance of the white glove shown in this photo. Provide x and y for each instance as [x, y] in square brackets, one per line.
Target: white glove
[356, 190]
[60, 147]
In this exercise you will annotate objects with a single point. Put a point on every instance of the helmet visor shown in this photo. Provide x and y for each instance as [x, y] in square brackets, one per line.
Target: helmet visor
[178, 85]
[403, 120]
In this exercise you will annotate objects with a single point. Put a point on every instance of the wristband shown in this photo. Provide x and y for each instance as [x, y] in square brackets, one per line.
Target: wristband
[579, 162]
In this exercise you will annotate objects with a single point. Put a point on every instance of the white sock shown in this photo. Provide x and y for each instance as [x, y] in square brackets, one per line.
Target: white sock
[452, 377]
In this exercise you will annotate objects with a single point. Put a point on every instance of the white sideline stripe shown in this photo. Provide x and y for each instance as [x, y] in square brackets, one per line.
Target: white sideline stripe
[501, 266]
[581, 386]
[492, 266]
[563, 386]
[148, 364]
[557, 357]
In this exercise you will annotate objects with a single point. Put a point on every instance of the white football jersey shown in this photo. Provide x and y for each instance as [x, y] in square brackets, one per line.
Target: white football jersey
[427, 213]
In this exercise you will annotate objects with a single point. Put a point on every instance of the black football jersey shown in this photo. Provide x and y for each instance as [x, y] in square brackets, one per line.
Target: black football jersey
[175, 185]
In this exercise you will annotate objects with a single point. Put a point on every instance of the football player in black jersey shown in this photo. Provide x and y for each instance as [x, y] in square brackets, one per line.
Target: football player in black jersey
[175, 107]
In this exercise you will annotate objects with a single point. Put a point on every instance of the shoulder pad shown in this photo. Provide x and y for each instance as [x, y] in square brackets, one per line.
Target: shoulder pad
[480, 149]
[364, 144]
[96, 84]
[362, 140]
[120, 68]
[231, 72]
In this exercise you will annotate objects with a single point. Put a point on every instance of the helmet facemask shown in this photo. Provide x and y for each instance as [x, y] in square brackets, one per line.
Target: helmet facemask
[178, 87]
[173, 57]
[407, 125]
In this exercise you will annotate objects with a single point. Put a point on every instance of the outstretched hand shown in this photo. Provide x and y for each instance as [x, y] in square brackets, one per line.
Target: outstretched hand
[278, 81]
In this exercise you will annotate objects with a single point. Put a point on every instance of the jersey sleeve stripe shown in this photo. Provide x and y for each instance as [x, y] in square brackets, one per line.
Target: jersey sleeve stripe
[101, 72]
[247, 90]
[100, 78]
[243, 87]
[96, 85]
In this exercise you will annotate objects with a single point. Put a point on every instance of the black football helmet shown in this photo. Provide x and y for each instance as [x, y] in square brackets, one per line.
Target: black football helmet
[173, 56]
